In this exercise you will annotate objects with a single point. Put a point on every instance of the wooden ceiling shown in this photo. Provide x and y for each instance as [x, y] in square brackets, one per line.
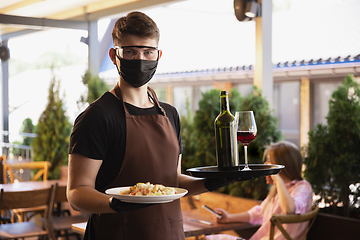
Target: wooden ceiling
[17, 16]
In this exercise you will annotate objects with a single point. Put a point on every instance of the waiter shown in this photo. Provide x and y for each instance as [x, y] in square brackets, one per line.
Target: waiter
[125, 137]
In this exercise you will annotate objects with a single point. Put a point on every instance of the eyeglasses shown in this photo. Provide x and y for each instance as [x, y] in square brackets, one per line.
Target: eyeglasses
[133, 52]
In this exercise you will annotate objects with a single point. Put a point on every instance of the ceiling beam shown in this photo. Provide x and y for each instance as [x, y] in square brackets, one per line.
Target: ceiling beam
[42, 22]
[18, 5]
[117, 10]
[7, 36]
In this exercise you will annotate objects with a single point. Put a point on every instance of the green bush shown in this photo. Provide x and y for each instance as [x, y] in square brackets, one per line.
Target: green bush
[198, 134]
[333, 159]
[198, 137]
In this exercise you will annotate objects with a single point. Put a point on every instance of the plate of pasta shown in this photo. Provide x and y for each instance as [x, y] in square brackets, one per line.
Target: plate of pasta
[147, 193]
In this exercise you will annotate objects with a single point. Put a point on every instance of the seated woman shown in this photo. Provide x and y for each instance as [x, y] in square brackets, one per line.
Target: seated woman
[289, 194]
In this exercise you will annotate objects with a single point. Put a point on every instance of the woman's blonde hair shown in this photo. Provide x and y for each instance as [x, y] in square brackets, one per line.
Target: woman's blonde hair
[287, 154]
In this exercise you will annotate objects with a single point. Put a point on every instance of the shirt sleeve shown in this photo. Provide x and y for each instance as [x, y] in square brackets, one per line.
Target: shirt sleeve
[302, 195]
[255, 214]
[89, 135]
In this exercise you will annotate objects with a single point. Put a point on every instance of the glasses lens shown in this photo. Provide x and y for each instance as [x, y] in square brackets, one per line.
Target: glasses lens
[143, 52]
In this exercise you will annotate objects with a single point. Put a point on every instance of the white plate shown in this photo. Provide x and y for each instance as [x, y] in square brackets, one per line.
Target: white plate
[115, 192]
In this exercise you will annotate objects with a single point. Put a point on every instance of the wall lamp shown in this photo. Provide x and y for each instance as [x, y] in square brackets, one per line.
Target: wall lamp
[247, 10]
[252, 9]
[4, 52]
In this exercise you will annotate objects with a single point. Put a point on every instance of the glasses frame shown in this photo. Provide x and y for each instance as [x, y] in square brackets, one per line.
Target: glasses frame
[122, 47]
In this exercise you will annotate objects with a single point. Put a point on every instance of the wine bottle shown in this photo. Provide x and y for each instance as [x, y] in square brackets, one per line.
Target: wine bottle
[225, 135]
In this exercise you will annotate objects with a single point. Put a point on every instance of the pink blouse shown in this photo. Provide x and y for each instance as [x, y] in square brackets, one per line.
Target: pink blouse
[302, 194]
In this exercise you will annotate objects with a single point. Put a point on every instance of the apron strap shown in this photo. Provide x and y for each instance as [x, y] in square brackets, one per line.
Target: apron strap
[151, 94]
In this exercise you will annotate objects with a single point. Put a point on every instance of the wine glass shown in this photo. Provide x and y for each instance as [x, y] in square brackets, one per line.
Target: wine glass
[246, 130]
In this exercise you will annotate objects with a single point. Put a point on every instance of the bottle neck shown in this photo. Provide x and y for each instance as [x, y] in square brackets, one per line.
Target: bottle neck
[224, 101]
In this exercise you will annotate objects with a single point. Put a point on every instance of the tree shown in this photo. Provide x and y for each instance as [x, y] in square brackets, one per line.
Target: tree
[53, 131]
[333, 160]
[96, 87]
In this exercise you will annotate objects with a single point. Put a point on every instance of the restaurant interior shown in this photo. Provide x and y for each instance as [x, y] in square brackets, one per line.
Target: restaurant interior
[298, 88]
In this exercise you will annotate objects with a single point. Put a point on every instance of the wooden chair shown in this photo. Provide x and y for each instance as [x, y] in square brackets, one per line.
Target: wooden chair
[26, 199]
[2, 160]
[3, 219]
[278, 220]
[24, 214]
[9, 168]
[60, 221]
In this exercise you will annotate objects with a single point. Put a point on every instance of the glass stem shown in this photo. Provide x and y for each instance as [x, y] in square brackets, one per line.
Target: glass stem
[246, 161]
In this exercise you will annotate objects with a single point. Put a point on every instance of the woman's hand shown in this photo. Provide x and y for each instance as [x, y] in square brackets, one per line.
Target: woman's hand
[224, 216]
[231, 217]
[275, 178]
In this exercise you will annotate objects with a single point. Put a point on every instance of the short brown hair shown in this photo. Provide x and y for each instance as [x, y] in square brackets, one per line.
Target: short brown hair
[135, 23]
[287, 154]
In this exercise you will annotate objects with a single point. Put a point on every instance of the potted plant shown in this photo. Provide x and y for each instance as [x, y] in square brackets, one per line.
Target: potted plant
[333, 164]
[333, 159]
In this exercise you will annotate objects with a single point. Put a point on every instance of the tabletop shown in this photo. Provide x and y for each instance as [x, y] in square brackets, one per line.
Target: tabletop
[31, 185]
[198, 222]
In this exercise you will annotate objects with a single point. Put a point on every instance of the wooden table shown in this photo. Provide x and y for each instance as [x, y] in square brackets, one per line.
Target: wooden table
[79, 227]
[31, 185]
[208, 225]
[192, 226]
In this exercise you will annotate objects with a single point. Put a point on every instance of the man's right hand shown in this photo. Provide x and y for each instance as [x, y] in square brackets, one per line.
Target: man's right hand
[120, 206]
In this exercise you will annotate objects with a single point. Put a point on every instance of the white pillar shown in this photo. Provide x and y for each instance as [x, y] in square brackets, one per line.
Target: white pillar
[94, 48]
[4, 100]
[263, 76]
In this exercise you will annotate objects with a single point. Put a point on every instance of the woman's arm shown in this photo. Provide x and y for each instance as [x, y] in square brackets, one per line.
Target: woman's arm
[234, 217]
[287, 203]
[81, 191]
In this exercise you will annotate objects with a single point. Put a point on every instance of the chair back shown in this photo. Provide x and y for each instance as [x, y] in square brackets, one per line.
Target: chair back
[3, 173]
[9, 168]
[278, 220]
[28, 199]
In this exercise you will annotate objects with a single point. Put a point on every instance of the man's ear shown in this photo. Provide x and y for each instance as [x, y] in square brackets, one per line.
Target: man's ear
[160, 54]
[112, 55]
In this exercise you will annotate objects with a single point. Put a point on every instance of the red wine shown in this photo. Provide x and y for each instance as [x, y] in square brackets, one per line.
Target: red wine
[246, 137]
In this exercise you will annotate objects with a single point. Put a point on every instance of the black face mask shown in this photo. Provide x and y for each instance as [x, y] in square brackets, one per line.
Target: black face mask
[137, 72]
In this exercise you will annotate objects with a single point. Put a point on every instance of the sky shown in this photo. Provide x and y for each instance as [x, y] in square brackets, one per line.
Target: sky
[196, 38]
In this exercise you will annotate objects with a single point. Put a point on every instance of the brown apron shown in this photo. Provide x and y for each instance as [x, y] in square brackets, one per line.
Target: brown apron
[151, 155]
